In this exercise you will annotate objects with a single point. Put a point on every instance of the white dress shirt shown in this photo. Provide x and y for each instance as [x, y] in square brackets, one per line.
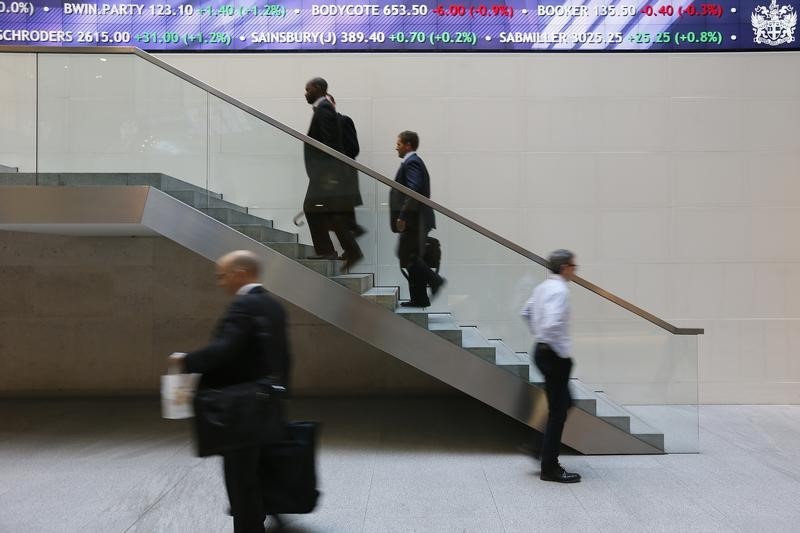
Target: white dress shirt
[547, 314]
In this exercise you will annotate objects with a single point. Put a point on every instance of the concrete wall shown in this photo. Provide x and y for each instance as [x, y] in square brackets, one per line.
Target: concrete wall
[89, 315]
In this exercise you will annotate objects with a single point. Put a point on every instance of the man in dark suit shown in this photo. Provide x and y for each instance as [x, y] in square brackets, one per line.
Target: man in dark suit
[329, 197]
[350, 175]
[413, 220]
[248, 343]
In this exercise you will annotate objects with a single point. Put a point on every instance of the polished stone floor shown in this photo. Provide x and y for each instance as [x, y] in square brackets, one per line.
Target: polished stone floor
[393, 465]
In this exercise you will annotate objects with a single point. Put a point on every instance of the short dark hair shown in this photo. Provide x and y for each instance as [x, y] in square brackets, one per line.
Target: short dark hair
[321, 83]
[409, 137]
[559, 259]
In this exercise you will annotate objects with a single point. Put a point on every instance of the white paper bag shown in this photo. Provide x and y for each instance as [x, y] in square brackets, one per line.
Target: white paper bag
[177, 393]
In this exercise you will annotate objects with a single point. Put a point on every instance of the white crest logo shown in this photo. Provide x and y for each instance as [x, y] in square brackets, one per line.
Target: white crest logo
[774, 25]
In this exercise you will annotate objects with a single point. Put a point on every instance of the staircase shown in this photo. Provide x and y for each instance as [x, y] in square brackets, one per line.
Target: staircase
[596, 426]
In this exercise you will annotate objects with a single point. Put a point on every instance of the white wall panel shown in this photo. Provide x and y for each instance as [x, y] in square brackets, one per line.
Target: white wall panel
[633, 180]
[706, 125]
[18, 111]
[560, 179]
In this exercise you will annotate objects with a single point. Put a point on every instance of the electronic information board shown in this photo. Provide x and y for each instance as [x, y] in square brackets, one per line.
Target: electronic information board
[397, 25]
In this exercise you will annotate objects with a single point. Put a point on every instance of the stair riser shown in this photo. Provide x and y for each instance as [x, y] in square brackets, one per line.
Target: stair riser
[384, 300]
[420, 319]
[232, 218]
[453, 336]
[200, 200]
[266, 234]
[326, 268]
[590, 406]
[517, 370]
[656, 440]
[11, 179]
[89, 180]
[622, 422]
[292, 250]
[168, 183]
[357, 285]
[487, 354]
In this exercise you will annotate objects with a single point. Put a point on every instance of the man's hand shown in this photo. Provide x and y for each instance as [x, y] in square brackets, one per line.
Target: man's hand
[175, 363]
[400, 224]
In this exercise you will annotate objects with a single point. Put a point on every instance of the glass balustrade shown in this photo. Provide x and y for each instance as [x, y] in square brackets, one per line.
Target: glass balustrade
[122, 115]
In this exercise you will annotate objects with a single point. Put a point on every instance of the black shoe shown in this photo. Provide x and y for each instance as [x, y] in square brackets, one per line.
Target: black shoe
[559, 475]
[438, 285]
[358, 231]
[415, 304]
[329, 257]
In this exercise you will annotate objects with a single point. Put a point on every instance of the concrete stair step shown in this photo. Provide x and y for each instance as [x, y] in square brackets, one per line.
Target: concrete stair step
[647, 433]
[475, 343]
[358, 283]
[232, 217]
[443, 325]
[612, 413]
[638, 427]
[95, 179]
[105, 179]
[200, 200]
[11, 179]
[326, 267]
[265, 233]
[293, 250]
[168, 183]
[535, 376]
[582, 397]
[384, 296]
[415, 315]
[509, 360]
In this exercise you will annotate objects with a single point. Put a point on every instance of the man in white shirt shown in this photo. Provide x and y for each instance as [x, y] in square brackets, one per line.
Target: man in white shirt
[547, 315]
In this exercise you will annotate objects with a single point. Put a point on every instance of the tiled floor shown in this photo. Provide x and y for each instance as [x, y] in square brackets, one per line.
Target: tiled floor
[397, 465]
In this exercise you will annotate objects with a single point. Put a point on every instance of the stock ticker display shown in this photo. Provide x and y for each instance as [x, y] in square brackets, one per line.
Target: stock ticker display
[412, 26]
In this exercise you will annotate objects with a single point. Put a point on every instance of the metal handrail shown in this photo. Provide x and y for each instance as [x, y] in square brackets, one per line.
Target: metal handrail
[358, 166]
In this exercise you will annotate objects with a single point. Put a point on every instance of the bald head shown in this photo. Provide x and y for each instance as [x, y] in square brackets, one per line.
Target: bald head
[236, 269]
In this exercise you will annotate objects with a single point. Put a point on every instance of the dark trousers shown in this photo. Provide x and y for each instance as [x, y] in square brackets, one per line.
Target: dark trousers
[556, 372]
[244, 490]
[321, 222]
[410, 249]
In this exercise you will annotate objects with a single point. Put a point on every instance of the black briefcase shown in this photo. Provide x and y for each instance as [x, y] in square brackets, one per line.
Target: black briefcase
[239, 416]
[289, 473]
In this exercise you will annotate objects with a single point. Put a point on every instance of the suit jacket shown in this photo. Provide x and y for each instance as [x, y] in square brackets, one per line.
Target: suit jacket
[322, 169]
[248, 343]
[330, 182]
[413, 174]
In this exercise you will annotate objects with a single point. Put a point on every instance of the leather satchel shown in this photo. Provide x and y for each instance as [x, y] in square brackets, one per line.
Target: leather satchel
[239, 416]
